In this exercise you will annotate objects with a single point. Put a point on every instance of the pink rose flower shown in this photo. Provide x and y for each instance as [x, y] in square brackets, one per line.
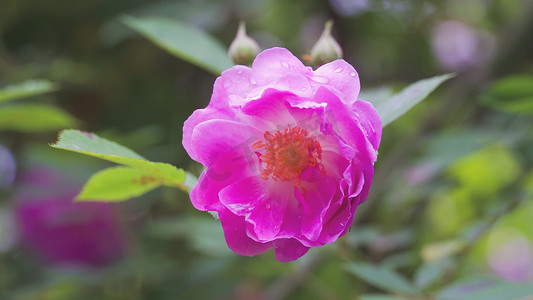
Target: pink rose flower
[288, 152]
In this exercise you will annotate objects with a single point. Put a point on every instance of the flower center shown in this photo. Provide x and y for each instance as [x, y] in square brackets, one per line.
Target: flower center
[287, 153]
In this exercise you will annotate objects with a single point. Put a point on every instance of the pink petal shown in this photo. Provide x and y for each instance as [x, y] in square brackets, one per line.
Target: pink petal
[261, 206]
[236, 238]
[343, 78]
[320, 194]
[337, 220]
[232, 87]
[199, 116]
[273, 63]
[204, 195]
[266, 219]
[315, 200]
[294, 83]
[243, 196]
[345, 125]
[271, 107]
[289, 249]
[222, 141]
[370, 122]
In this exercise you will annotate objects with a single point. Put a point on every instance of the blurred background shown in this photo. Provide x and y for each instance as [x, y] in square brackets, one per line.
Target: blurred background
[450, 210]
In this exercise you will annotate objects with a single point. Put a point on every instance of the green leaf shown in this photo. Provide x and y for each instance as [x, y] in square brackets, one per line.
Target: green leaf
[511, 94]
[432, 272]
[93, 145]
[118, 184]
[184, 41]
[406, 99]
[381, 277]
[486, 289]
[27, 89]
[376, 96]
[204, 234]
[34, 118]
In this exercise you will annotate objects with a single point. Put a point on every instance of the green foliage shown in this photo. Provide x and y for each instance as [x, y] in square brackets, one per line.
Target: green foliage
[528, 183]
[119, 183]
[511, 94]
[27, 89]
[383, 278]
[34, 118]
[485, 172]
[376, 96]
[91, 144]
[380, 297]
[402, 102]
[143, 175]
[204, 234]
[433, 272]
[485, 289]
[184, 41]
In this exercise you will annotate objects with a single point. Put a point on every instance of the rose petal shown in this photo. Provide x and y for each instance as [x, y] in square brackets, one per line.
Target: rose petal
[343, 78]
[236, 238]
[370, 122]
[222, 141]
[200, 116]
[271, 107]
[204, 195]
[315, 199]
[273, 63]
[232, 87]
[242, 197]
[289, 249]
[346, 126]
[262, 206]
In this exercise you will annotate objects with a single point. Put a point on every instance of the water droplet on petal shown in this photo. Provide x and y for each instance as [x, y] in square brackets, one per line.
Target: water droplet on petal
[239, 72]
[267, 206]
[353, 74]
[252, 81]
[285, 65]
[320, 79]
[227, 83]
[337, 70]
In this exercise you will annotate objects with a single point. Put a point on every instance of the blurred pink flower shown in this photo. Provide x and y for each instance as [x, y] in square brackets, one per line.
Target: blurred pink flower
[513, 260]
[458, 46]
[288, 151]
[60, 231]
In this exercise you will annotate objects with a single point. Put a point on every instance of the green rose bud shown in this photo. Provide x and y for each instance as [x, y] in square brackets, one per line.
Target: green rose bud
[326, 49]
[243, 49]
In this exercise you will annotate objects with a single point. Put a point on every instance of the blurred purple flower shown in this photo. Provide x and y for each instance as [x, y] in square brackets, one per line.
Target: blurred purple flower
[348, 8]
[64, 232]
[457, 46]
[513, 260]
[60, 231]
[289, 153]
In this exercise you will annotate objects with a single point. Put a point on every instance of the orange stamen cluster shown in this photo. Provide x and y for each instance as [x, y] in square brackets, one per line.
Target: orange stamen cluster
[288, 153]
